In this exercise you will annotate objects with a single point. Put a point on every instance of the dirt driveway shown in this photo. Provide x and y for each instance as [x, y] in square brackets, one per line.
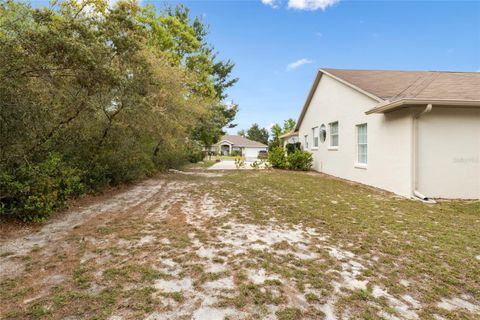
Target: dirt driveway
[176, 247]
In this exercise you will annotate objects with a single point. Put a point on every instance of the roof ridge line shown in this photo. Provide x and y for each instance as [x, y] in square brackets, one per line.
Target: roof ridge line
[398, 95]
[429, 81]
[398, 70]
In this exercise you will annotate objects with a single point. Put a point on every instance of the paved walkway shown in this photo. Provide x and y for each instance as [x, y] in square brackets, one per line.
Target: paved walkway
[230, 165]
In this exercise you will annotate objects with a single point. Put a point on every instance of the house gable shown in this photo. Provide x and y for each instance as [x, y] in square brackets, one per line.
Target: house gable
[388, 137]
[239, 141]
[396, 89]
[321, 73]
[224, 142]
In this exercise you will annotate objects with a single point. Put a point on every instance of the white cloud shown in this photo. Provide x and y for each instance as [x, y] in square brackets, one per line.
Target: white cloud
[271, 3]
[310, 5]
[298, 63]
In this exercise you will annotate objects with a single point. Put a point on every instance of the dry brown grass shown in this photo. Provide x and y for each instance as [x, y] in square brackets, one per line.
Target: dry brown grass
[291, 245]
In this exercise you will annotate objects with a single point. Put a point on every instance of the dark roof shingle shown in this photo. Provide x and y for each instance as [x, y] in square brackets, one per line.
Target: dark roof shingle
[241, 141]
[394, 85]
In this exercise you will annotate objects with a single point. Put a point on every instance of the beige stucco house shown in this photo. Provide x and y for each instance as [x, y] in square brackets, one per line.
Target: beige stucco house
[247, 148]
[289, 137]
[415, 133]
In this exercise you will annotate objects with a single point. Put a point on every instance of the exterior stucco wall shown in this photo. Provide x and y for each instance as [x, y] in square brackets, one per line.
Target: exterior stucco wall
[449, 153]
[389, 138]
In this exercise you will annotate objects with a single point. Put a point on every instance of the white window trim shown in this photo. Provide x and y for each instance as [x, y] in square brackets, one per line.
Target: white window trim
[319, 133]
[357, 164]
[330, 146]
[305, 137]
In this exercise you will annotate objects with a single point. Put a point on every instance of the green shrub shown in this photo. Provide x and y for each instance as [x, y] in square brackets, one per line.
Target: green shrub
[256, 164]
[277, 158]
[170, 158]
[266, 164]
[32, 192]
[300, 160]
[236, 153]
[292, 147]
[196, 156]
[99, 121]
[239, 163]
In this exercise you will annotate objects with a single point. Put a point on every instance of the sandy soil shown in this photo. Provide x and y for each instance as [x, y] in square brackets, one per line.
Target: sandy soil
[170, 238]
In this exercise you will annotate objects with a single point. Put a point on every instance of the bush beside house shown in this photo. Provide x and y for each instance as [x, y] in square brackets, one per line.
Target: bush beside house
[292, 147]
[297, 160]
[300, 160]
[277, 158]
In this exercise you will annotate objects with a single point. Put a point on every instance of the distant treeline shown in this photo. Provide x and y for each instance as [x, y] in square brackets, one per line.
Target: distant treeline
[93, 95]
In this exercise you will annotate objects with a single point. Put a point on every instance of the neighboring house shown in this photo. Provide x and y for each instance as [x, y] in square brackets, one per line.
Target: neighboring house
[289, 137]
[409, 132]
[248, 148]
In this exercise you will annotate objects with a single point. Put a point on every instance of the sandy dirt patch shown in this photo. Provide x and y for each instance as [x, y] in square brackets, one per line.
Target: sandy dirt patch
[168, 249]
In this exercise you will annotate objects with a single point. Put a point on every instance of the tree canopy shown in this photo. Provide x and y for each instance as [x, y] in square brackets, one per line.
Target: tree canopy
[256, 133]
[93, 94]
[277, 130]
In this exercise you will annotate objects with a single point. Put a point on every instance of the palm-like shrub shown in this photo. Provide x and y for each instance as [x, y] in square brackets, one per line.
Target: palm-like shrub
[300, 160]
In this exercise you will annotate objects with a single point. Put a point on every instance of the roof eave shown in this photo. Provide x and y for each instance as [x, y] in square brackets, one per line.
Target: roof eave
[402, 103]
[221, 141]
[240, 145]
[289, 134]
[250, 146]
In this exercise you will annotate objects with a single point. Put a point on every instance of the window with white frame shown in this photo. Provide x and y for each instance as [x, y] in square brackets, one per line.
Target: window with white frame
[323, 133]
[362, 144]
[315, 137]
[334, 134]
[306, 141]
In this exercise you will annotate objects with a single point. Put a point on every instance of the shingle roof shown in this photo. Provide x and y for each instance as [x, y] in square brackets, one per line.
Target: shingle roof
[240, 141]
[393, 89]
[396, 85]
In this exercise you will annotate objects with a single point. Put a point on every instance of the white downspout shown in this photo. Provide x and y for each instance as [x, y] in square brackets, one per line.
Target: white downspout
[415, 192]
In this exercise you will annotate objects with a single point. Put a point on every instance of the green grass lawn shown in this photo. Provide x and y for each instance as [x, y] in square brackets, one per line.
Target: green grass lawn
[434, 247]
